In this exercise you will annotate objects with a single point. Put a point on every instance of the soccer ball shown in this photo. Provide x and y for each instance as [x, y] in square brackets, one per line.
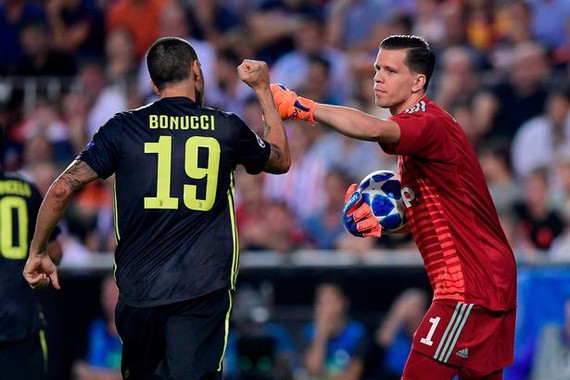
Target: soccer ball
[381, 190]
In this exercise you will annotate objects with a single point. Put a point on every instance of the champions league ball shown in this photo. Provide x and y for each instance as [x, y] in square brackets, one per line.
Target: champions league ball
[381, 190]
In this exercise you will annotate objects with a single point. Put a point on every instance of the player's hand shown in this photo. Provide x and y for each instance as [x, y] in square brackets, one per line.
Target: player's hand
[291, 106]
[40, 271]
[254, 73]
[357, 216]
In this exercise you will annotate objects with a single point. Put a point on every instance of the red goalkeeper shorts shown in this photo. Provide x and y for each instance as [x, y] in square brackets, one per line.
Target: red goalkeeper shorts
[467, 336]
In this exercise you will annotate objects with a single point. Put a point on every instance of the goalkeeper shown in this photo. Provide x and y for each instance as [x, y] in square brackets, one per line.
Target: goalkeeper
[468, 330]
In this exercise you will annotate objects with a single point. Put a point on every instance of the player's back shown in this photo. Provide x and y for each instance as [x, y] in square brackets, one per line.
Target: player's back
[174, 162]
[19, 205]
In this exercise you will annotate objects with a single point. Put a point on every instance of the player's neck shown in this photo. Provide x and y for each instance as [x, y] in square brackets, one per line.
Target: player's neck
[409, 103]
[178, 90]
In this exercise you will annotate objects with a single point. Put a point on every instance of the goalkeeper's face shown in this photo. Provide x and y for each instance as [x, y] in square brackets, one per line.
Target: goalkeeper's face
[393, 80]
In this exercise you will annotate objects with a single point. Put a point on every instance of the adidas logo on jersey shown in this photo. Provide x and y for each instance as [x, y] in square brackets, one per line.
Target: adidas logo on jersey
[463, 353]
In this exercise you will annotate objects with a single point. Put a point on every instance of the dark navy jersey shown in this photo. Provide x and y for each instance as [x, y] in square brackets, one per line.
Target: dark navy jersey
[19, 205]
[174, 163]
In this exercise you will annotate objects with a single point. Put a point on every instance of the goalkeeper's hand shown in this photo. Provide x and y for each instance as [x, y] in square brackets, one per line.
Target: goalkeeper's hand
[357, 215]
[291, 106]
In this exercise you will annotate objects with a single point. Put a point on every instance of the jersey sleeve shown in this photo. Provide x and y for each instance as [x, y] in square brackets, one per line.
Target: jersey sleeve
[421, 136]
[101, 153]
[252, 152]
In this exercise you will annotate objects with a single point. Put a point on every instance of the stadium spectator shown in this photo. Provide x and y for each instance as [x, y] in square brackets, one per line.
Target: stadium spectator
[548, 134]
[140, 17]
[279, 230]
[495, 160]
[14, 15]
[120, 64]
[104, 99]
[103, 360]
[301, 187]
[273, 24]
[77, 27]
[549, 17]
[41, 60]
[393, 336]
[228, 91]
[335, 342]
[459, 78]
[538, 224]
[561, 193]
[352, 24]
[45, 120]
[214, 19]
[251, 209]
[317, 83]
[324, 229]
[310, 40]
[524, 90]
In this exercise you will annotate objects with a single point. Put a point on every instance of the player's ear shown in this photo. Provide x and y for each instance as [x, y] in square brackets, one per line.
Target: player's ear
[419, 82]
[154, 88]
[196, 70]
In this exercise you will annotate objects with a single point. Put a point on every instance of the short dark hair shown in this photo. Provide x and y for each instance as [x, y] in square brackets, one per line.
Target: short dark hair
[420, 58]
[169, 60]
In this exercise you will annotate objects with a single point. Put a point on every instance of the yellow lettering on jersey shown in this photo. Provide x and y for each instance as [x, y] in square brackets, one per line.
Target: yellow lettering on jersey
[153, 121]
[163, 122]
[174, 121]
[204, 122]
[194, 122]
[207, 122]
[15, 188]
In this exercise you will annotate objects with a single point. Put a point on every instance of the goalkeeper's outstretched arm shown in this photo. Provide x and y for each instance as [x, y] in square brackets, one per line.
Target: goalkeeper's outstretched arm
[357, 124]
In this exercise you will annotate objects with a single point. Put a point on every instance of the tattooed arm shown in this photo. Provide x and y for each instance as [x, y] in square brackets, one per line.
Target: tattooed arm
[256, 75]
[40, 270]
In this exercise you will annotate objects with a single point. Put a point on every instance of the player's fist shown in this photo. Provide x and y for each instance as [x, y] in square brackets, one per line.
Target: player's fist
[254, 73]
[357, 216]
[291, 106]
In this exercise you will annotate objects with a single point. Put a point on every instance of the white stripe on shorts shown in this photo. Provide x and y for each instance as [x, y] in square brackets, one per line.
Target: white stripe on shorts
[452, 331]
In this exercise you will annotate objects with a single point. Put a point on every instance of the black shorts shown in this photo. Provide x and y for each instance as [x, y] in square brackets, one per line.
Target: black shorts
[24, 359]
[185, 340]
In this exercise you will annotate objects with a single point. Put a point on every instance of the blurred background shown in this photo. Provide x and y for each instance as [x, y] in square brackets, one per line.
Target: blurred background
[503, 72]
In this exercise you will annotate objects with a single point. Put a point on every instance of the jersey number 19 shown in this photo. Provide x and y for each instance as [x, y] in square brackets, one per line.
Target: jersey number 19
[163, 148]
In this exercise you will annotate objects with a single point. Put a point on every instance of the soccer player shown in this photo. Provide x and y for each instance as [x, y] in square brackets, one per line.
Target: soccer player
[23, 349]
[469, 328]
[177, 256]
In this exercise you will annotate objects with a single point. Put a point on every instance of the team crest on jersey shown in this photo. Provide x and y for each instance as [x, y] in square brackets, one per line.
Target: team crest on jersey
[421, 106]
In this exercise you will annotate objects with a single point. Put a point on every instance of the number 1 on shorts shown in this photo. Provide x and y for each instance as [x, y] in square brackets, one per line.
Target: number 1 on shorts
[434, 322]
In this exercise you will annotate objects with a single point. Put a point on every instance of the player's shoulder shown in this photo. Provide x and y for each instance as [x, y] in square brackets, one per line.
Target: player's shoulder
[15, 176]
[230, 116]
[17, 183]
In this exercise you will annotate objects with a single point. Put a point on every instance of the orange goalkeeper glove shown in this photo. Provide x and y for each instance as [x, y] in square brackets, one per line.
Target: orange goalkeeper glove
[357, 216]
[291, 106]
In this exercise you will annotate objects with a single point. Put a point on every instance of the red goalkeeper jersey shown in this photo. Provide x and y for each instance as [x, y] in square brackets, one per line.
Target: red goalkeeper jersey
[450, 211]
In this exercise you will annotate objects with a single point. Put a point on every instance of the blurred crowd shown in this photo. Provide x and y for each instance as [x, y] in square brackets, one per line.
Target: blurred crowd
[66, 66]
